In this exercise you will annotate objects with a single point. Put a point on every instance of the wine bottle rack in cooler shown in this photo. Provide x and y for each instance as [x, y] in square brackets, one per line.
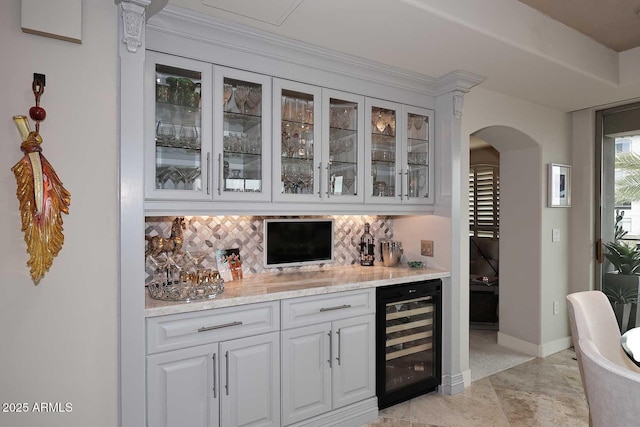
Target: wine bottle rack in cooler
[408, 341]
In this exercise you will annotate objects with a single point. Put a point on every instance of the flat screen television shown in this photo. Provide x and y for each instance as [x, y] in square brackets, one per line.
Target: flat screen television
[296, 242]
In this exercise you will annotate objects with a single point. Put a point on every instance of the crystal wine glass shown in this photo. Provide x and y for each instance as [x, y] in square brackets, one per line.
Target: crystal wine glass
[227, 92]
[165, 133]
[242, 92]
[254, 99]
[188, 135]
[418, 121]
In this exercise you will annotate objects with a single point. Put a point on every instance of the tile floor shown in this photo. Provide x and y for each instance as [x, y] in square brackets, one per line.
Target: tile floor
[541, 392]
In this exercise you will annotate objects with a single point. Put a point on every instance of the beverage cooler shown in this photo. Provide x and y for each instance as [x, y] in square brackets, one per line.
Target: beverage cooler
[408, 341]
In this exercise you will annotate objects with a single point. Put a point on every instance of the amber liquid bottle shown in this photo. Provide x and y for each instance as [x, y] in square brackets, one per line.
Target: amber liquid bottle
[366, 247]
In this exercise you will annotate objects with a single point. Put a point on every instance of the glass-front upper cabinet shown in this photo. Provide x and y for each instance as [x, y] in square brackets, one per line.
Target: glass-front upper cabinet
[242, 105]
[417, 156]
[343, 148]
[384, 151]
[177, 131]
[296, 137]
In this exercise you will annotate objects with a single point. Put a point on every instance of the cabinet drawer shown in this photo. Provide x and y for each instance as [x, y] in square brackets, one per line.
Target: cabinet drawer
[184, 330]
[323, 308]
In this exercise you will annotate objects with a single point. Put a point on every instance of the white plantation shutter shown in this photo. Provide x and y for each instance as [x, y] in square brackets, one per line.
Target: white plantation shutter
[484, 200]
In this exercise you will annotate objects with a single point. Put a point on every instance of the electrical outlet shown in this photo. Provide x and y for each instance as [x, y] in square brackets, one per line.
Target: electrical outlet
[556, 308]
[426, 247]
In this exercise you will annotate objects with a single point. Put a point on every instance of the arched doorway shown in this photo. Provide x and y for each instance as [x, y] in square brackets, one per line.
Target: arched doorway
[521, 192]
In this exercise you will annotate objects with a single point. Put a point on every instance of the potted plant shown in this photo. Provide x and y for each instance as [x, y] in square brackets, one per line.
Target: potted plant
[622, 285]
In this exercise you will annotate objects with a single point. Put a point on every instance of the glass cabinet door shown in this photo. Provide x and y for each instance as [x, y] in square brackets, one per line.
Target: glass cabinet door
[417, 155]
[243, 111]
[383, 154]
[179, 144]
[296, 169]
[343, 151]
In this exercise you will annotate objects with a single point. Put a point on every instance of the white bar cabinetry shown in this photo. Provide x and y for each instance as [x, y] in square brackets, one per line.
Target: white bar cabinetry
[233, 380]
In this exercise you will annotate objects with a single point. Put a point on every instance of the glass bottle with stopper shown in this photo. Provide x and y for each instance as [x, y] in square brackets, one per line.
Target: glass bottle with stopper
[366, 247]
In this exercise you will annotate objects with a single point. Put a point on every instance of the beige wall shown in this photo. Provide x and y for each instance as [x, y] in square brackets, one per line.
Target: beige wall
[59, 339]
[546, 277]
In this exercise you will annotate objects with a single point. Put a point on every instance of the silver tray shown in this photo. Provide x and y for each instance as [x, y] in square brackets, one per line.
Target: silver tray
[187, 292]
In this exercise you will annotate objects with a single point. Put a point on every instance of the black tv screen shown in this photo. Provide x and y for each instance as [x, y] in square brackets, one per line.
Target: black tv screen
[295, 242]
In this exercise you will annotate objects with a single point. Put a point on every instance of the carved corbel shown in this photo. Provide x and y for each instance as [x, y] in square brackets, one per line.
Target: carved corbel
[458, 103]
[133, 22]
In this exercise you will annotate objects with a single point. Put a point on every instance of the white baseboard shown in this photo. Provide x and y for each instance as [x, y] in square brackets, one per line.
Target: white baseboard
[555, 346]
[466, 377]
[354, 415]
[532, 349]
[453, 384]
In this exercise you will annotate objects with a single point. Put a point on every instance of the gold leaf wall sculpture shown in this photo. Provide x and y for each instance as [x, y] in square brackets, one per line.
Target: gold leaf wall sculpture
[42, 197]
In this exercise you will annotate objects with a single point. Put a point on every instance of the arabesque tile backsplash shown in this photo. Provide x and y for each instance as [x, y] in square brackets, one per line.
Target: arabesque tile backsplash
[245, 232]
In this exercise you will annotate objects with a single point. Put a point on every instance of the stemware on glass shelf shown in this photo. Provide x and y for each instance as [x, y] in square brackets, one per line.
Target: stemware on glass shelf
[227, 93]
[165, 133]
[254, 100]
[188, 135]
[240, 97]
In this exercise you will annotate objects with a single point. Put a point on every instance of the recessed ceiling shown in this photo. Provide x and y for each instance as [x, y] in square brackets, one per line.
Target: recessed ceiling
[272, 12]
[521, 51]
[613, 23]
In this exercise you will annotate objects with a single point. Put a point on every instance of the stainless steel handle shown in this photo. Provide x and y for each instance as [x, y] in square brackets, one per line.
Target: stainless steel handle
[406, 174]
[220, 174]
[215, 392]
[328, 182]
[226, 382]
[338, 307]
[319, 174]
[338, 357]
[401, 184]
[330, 349]
[208, 172]
[224, 325]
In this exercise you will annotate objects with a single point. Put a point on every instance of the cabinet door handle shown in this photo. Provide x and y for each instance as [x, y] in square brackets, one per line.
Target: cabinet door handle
[406, 181]
[215, 392]
[337, 307]
[328, 181]
[226, 382]
[319, 175]
[401, 184]
[330, 349]
[224, 325]
[208, 173]
[339, 339]
[220, 174]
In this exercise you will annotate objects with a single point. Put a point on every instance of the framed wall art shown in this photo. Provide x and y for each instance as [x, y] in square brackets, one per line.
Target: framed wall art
[559, 194]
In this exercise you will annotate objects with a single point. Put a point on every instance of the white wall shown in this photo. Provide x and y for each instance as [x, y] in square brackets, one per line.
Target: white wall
[550, 130]
[59, 339]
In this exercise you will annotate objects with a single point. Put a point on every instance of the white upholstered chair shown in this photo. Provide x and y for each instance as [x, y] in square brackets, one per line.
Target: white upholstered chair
[614, 391]
[591, 318]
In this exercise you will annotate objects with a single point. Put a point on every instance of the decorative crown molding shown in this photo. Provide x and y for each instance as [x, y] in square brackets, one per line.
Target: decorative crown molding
[457, 80]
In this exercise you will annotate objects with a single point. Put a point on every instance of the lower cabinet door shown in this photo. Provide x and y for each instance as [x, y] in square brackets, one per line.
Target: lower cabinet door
[181, 389]
[306, 372]
[250, 381]
[353, 373]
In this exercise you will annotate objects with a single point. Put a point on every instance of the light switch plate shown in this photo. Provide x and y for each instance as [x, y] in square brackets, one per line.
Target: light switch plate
[426, 247]
[555, 235]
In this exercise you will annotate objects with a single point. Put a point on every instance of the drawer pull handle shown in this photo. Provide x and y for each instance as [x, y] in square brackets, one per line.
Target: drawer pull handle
[226, 325]
[338, 307]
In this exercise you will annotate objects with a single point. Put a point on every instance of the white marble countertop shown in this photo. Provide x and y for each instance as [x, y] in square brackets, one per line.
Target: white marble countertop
[282, 285]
